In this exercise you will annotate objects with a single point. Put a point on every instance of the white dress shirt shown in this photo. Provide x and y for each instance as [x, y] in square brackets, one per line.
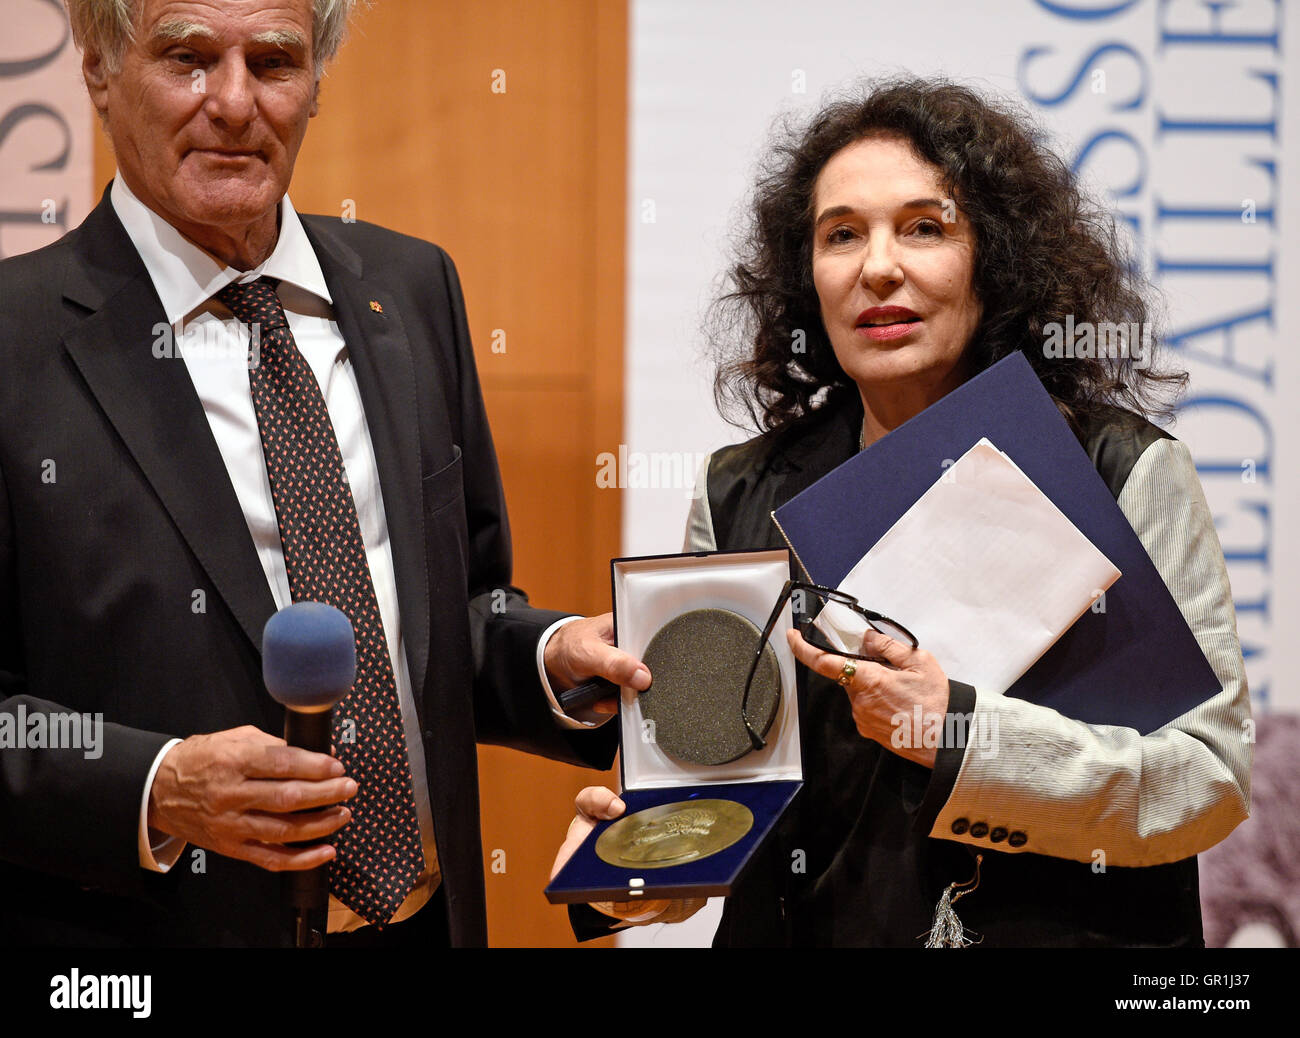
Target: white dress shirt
[215, 349]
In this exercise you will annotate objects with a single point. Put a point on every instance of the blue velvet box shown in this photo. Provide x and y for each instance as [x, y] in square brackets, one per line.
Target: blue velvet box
[648, 592]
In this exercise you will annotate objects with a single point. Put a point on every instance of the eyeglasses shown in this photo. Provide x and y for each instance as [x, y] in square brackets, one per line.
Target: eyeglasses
[809, 602]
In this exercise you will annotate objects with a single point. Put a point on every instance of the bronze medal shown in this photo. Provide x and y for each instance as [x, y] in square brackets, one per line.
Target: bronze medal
[673, 834]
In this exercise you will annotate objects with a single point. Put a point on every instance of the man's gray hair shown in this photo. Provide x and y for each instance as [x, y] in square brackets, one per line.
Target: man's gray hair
[107, 26]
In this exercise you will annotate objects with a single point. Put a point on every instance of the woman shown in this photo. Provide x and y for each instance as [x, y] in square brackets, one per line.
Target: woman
[904, 241]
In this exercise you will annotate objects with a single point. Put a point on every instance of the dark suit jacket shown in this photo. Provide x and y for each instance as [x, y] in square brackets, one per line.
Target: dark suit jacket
[129, 585]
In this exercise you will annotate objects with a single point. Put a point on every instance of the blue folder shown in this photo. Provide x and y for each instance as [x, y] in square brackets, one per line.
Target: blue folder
[1137, 664]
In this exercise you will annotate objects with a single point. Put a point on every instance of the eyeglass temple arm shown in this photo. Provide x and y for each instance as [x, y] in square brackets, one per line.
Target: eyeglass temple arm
[757, 740]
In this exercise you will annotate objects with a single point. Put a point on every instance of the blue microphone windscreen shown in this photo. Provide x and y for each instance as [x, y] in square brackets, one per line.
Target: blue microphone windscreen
[309, 656]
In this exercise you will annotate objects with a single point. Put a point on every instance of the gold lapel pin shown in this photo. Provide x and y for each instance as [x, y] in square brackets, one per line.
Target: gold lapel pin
[374, 305]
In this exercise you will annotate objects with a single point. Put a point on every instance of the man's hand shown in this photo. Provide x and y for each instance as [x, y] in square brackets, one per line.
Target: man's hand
[585, 649]
[235, 792]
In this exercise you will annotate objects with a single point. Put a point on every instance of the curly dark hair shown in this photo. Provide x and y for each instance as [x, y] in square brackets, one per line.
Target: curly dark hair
[1042, 251]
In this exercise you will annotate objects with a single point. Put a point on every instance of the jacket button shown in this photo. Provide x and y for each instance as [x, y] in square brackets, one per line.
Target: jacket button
[428, 734]
[960, 825]
[979, 830]
[1017, 839]
[998, 834]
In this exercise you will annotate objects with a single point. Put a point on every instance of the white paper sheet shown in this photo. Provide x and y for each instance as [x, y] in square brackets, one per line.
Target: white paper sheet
[984, 569]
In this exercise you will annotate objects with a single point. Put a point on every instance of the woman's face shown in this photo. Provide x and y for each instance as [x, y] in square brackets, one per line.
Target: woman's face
[892, 264]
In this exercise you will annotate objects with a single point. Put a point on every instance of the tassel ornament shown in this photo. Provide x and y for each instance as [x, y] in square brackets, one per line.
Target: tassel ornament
[947, 930]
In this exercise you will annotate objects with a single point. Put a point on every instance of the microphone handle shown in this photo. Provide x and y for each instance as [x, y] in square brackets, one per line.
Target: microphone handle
[309, 731]
[308, 890]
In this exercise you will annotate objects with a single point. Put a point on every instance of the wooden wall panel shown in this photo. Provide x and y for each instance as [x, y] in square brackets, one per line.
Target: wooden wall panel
[525, 189]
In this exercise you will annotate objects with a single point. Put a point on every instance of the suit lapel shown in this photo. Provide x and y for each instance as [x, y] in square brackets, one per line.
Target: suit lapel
[380, 352]
[152, 404]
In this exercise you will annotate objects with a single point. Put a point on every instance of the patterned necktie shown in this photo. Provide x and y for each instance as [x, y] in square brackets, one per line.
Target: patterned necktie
[379, 855]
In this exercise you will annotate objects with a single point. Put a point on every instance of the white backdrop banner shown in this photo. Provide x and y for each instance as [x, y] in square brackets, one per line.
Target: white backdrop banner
[1178, 113]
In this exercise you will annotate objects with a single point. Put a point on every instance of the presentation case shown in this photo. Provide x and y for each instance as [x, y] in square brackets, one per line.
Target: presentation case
[648, 592]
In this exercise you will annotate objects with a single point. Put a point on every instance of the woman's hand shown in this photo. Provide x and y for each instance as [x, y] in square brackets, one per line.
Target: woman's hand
[884, 701]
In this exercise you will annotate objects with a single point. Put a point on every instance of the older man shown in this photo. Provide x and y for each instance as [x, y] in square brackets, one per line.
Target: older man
[214, 407]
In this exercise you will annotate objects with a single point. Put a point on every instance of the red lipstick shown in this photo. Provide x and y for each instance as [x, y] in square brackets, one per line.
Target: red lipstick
[886, 322]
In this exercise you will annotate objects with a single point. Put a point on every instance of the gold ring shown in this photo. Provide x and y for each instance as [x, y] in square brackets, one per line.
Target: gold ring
[846, 675]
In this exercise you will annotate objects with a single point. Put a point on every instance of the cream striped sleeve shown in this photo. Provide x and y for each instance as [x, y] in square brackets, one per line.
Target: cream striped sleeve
[1077, 789]
[699, 522]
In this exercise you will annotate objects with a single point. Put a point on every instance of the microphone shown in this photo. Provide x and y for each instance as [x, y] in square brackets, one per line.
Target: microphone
[309, 662]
